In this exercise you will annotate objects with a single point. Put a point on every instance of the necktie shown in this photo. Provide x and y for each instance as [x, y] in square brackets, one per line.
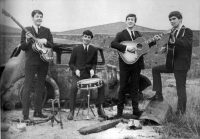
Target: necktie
[175, 34]
[133, 37]
[85, 49]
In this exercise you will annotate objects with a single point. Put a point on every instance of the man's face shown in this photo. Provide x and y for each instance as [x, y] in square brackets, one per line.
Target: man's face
[130, 22]
[175, 22]
[86, 39]
[37, 19]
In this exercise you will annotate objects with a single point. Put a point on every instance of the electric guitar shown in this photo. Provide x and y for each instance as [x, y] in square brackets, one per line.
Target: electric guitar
[46, 54]
[141, 46]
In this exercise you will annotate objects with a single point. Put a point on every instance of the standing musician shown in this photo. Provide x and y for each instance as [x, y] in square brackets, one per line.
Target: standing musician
[129, 73]
[181, 40]
[83, 63]
[34, 65]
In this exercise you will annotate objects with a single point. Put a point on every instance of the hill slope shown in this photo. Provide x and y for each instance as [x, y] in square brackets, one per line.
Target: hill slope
[110, 29]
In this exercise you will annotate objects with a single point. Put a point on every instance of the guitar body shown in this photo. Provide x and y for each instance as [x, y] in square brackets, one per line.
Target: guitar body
[132, 57]
[170, 57]
[46, 54]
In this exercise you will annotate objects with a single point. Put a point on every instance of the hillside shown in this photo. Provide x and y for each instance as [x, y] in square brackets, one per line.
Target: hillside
[108, 29]
[4, 29]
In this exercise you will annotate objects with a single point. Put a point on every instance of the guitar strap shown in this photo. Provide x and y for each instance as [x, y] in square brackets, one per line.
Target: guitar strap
[183, 31]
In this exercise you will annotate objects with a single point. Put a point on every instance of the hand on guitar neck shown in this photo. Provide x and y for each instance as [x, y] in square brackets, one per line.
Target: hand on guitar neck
[163, 50]
[40, 41]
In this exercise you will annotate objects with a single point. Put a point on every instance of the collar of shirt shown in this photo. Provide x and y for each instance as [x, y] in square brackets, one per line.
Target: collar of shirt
[85, 46]
[36, 28]
[129, 31]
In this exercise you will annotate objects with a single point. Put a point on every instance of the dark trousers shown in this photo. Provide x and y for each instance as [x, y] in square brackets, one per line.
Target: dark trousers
[180, 76]
[74, 90]
[30, 71]
[129, 77]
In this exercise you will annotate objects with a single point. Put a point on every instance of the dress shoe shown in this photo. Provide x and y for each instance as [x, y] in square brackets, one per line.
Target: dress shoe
[70, 116]
[156, 97]
[137, 113]
[39, 115]
[26, 119]
[101, 113]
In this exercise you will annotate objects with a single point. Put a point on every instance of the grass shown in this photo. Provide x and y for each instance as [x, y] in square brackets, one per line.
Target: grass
[188, 125]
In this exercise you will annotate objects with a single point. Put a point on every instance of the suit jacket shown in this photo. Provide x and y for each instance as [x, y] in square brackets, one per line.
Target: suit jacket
[32, 57]
[183, 49]
[83, 61]
[125, 36]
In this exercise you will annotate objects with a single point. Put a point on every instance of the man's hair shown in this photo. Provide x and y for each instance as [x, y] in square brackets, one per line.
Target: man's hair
[88, 32]
[176, 14]
[131, 15]
[34, 12]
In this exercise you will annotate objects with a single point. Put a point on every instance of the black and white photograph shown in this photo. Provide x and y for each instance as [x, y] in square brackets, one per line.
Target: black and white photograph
[100, 69]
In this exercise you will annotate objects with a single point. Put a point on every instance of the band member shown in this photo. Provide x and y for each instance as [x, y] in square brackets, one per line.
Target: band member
[83, 63]
[181, 39]
[129, 73]
[34, 65]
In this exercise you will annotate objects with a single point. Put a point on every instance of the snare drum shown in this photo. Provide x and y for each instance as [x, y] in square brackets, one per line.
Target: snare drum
[91, 83]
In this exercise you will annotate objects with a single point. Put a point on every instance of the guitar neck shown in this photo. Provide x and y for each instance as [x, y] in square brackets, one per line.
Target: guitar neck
[153, 39]
[22, 27]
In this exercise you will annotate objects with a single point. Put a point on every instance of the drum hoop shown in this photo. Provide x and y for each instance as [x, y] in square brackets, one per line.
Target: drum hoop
[90, 80]
[97, 80]
[90, 88]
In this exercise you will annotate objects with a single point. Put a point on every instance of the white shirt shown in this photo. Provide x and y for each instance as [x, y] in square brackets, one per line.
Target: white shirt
[84, 46]
[179, 28]
[36, 28]
[129, 31]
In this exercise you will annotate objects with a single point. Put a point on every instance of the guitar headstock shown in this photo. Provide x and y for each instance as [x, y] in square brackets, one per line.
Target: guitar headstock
[5, 13]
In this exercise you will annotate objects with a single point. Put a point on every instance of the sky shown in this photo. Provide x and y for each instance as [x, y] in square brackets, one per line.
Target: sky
[62, 15]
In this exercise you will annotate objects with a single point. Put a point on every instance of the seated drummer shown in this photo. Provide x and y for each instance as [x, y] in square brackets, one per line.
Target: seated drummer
[83, 63]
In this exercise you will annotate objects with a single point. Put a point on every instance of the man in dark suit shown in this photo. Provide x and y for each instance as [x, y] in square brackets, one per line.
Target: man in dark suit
[34, 65]
[181, 39]
[83, 63]
[129, 73]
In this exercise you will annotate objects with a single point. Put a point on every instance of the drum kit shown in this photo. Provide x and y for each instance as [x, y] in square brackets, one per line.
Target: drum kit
[89, 85]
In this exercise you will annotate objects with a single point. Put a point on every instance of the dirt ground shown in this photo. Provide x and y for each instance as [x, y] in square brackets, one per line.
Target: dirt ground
[70, 128]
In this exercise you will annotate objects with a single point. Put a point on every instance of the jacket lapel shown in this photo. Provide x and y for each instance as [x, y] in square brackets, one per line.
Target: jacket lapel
[33, 32]
[181, 32]
[128, 35]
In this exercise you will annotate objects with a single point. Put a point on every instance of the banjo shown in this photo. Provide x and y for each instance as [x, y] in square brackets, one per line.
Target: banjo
[46, 54]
